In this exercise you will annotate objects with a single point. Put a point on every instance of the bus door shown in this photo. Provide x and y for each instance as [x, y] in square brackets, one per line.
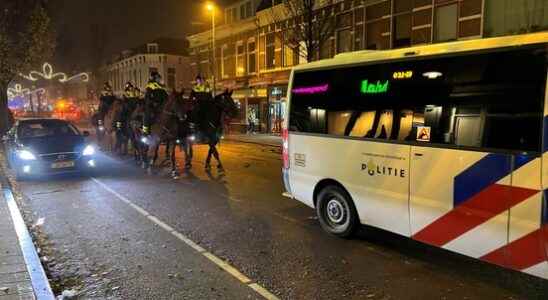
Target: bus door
[459, 199]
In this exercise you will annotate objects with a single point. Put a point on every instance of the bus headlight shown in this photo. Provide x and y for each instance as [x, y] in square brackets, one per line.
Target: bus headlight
[26, 155]
[88, 151]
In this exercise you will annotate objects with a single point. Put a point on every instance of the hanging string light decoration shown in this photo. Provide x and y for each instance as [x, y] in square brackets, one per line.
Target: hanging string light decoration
[47, 73]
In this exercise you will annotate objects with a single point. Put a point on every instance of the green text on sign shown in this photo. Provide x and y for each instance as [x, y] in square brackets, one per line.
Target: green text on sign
[374, 88]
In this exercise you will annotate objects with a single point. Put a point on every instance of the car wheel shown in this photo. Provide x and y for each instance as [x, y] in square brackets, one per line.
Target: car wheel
[336, 212]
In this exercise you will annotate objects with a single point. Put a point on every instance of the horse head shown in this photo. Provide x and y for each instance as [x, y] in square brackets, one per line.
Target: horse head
[227, 103]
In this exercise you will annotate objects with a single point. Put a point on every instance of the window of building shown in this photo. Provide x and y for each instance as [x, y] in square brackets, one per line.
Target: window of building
[240, 59]
[278, 49]
[152, 48]
[249, 9]
[472, 102]
[270, 50]
[344, 32]
[378, 34]
[262, 53]
[251, 57]
[401, 26]
[446, 21]
[291, 51]
[344, 40]
[171, 78]
[228, 61]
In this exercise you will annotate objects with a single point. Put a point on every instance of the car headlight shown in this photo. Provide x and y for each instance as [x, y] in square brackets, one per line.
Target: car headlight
[89, 150]
[26, 155]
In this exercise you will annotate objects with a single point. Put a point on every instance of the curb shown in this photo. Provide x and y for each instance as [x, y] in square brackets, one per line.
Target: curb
[38, 278]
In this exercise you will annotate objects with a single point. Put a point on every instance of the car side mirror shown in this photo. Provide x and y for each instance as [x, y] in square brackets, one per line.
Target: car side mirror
[85, 133]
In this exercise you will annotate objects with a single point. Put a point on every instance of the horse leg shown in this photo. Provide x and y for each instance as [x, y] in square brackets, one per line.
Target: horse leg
[174, 172]
[208, 159]
[213, 147]
[188, 154]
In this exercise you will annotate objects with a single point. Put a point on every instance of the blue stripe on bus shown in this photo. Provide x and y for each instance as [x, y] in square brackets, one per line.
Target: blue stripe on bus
[521, 160]
[485, 172]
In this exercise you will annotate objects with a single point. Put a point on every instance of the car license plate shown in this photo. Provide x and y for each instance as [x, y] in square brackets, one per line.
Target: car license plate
[62, 164]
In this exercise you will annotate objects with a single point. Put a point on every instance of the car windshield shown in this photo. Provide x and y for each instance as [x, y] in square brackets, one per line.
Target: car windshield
[45, 128]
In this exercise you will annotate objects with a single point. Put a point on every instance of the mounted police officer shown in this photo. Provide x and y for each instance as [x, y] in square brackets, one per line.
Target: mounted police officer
[155, 96]
[105, 102]
[200, 90]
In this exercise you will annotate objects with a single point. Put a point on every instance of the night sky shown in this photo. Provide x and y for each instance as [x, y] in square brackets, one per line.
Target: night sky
[93, 30]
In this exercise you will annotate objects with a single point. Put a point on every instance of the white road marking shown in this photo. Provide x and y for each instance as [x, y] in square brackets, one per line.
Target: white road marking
[214, 259]
[221, 263]
[262, 291]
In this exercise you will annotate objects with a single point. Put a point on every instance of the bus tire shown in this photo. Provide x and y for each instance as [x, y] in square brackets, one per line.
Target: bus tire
[336, 212]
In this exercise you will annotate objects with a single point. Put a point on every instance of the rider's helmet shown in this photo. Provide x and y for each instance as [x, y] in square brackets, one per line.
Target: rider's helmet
[199, 79]
[155, 76]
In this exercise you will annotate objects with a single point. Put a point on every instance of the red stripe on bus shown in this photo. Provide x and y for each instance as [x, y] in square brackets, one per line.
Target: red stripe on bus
[522, 253]
[480, 208]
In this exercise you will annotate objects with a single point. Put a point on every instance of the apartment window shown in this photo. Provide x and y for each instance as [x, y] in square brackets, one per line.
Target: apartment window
[240, 59]
[446, 20]
[278, 50]
[262, 55]
[344, 40]
[358, 29]
[251, 57]
[270, 50]
[228, 68]
[401, 35]
[291, 51]
[249, 9]
[152, 48]
[377, 26]
[171, 78]
[344, 33]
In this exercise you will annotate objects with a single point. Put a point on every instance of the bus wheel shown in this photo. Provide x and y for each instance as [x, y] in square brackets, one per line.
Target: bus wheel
[336, 212]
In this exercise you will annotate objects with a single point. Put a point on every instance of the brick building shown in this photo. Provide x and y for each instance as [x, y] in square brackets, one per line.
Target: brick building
[252, 58]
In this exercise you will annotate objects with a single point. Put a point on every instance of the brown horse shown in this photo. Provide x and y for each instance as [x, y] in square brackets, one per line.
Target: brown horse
[110, 125]
[165, 129]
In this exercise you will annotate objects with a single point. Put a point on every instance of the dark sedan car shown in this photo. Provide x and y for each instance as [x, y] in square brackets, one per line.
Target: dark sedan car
[44, 146]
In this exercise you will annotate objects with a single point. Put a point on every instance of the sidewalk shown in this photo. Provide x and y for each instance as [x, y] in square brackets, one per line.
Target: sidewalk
[21, 274]
[258, 138]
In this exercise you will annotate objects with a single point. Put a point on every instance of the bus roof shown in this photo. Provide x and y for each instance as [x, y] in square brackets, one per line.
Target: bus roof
[426, 50]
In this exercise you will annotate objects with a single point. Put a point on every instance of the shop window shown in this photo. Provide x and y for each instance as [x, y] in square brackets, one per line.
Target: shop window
[445, 27]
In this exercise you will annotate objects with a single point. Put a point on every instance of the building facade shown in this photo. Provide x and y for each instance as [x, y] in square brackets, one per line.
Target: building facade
[253, 58]
[166, 56]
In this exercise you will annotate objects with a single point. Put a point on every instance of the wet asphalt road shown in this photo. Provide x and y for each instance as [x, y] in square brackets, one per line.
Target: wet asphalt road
[241, 217]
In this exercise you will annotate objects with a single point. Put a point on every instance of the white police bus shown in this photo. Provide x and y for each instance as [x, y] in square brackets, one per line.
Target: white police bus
[441, 143]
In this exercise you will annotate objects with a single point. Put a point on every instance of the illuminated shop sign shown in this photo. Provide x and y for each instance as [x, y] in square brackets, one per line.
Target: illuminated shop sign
[403, 74]
[374, 87]
[309, 90]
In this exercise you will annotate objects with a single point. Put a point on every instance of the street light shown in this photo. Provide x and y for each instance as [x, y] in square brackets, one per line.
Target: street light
[211, 8]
